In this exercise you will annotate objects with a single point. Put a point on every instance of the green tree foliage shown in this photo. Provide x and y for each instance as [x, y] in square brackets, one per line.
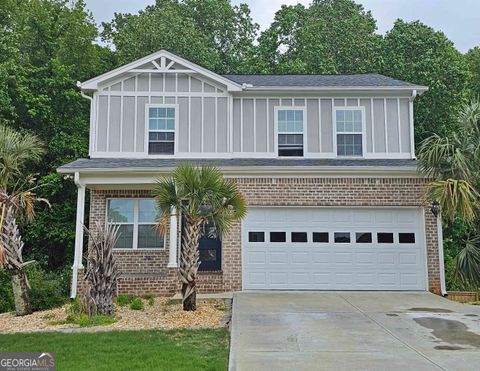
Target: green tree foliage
[473, 60]
[416, 53]
[45, 47]
[330, 36]
[212, 33]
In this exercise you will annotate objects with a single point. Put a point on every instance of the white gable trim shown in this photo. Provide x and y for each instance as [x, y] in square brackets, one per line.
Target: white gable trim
[93, 84]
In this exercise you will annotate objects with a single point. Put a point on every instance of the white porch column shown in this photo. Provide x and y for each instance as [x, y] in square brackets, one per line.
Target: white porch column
[77, 259]
[172, 251]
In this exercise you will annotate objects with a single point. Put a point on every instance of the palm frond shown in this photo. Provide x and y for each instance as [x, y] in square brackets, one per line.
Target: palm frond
[16, 149]
[467, 263]
[456, 198]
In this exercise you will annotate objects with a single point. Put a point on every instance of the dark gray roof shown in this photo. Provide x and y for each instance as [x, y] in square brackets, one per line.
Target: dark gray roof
[359, 80]
[155, 163]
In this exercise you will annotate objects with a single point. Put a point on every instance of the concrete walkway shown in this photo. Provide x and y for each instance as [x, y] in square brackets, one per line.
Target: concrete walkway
[353, 331]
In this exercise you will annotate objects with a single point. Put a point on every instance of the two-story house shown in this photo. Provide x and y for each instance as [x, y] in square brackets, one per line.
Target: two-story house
[326, 164]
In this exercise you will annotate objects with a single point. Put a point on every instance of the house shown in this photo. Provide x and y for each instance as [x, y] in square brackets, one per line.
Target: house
[326, 164]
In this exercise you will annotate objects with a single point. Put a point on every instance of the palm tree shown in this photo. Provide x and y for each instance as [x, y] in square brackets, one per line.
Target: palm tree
[453, 163]
[199, 195]
[16, 150]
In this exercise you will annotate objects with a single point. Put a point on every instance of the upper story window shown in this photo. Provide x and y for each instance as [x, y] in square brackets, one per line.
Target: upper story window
[290, 131]
[161, 130]
[349, 125]
[136, 218]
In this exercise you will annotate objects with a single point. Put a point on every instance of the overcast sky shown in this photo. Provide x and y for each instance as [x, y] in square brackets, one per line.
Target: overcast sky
[458, 19]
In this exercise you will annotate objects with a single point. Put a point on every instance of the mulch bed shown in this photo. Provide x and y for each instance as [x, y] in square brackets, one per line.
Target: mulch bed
[163, 314]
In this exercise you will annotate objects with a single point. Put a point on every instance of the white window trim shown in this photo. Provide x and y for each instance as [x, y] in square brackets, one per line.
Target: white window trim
[135, 223]
[147, 127]
[364, 129]
[304, 133]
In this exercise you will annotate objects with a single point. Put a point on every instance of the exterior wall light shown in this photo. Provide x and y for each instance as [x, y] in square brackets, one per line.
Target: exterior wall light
[435, 208]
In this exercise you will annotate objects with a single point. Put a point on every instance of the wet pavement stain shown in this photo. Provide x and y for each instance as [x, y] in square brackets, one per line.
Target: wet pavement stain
[448, 347]
[450, 331]
[430, 310]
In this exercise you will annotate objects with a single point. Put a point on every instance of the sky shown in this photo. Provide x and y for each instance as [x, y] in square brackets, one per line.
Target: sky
[458, 19]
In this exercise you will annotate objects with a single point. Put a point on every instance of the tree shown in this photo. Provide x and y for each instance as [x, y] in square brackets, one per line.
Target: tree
[45, 47]
[330, 36]
[473, 60]
[416, 53]
[199, 195]
[15, 151]
[453, 162]
[211, 33]
[102, 273]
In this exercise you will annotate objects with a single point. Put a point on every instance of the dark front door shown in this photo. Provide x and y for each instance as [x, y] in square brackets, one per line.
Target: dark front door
[210, 248]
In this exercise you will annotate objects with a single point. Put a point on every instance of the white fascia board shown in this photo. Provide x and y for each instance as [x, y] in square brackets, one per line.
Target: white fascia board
[92, 84]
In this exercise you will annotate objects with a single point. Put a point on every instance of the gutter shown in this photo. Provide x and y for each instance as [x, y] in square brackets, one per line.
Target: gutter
[258, 170]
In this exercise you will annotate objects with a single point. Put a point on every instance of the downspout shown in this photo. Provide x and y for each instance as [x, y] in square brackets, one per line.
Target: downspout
[412, 130]
[92, 115]
[441, 262]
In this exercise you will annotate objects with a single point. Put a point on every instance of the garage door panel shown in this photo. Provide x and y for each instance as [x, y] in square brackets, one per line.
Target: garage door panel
[278, 257]
[326, 265]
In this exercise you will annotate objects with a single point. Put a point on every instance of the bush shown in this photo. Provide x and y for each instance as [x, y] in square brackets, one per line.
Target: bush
[47, 289]
[123, 300]
[6, 294]
[136, 304]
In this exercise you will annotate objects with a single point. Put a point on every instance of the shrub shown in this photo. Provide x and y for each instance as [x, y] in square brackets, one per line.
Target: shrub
[150, 299]
[136, 304]
[6, 294]
[47, 289]
[123, 300]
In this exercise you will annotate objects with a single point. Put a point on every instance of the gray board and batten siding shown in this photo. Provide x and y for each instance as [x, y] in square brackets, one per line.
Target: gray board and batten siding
[215, 123]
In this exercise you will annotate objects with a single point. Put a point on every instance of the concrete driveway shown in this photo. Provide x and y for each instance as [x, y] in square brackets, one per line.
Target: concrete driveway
[353, 331]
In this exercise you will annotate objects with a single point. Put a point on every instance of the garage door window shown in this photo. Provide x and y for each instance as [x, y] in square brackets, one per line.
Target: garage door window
[256, 237]
[278, 237]
[363, 237]
[320, 237]
[342, 237]
[299, 236]
[385, 237]
[406, 237]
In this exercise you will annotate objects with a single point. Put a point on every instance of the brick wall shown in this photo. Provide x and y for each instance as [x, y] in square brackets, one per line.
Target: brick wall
[146, 272]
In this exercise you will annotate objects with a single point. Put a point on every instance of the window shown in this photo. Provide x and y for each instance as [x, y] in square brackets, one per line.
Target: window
[349, 132]
[278, 236]
[299, 236]
[364, 237]
[256, 237]
[161, 130]
[385, 237]
[136, 218]
[341, 237]
[406, 237]
[290, 132]
[321, 237]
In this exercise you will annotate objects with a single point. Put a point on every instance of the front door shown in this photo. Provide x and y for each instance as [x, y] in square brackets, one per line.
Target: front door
[210, 248]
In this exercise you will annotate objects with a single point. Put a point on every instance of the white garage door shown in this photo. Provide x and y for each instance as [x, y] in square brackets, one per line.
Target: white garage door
[334, 249]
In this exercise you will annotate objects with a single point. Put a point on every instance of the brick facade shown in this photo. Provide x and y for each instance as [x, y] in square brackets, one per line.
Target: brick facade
[146, 272]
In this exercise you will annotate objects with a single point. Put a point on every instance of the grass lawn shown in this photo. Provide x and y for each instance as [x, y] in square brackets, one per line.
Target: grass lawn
[128, 350]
